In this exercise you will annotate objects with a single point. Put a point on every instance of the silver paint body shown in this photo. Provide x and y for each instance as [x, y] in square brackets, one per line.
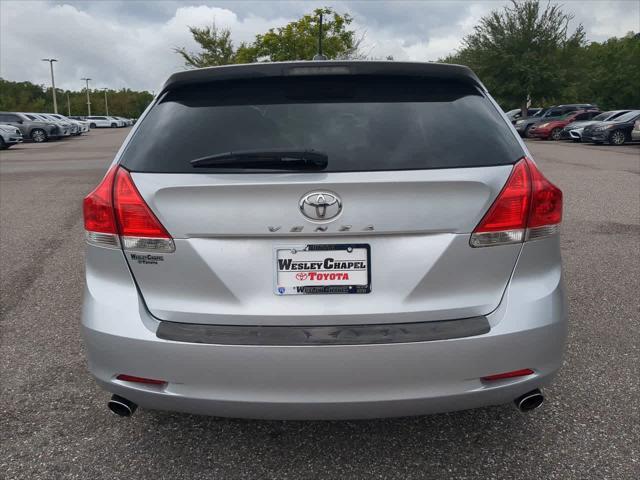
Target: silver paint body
[418, 224]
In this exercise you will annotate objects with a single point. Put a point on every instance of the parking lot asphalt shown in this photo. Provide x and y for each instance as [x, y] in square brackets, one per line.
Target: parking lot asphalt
[53, 418]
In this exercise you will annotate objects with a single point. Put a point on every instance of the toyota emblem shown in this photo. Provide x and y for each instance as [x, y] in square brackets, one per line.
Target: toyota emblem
[320, 206]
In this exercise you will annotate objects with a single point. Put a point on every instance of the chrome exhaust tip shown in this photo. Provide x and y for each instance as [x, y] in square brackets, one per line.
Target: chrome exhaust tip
[529, 401]
[121, 406]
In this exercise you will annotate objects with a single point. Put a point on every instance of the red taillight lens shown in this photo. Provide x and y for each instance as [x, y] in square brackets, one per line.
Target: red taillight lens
[146, 381]
[97, 207]
[135, 218]
[528, 207]
[546, 200]
[515, 373]
[115, 214]
[509, 210]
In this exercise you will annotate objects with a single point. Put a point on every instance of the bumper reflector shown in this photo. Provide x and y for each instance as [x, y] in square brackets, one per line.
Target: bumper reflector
[515, 373]
[146, 381]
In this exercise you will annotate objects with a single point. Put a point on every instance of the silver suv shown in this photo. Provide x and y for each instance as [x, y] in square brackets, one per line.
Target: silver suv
[32, 127]
[315, 240]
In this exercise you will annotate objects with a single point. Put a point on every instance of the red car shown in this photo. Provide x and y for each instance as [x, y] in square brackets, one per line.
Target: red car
[553, 128]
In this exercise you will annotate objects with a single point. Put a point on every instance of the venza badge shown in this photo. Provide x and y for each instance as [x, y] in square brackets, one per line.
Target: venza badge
[320, 206]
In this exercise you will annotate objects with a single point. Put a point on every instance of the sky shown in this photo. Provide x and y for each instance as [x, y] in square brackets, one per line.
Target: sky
[129, 44]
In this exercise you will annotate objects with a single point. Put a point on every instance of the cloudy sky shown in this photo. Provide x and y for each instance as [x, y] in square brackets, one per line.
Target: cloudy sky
[129, 43]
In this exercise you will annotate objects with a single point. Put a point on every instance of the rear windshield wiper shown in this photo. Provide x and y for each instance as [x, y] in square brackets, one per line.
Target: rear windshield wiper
[275, 159]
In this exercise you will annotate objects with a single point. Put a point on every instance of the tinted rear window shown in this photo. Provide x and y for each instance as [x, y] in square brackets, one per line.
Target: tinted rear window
[362, 123]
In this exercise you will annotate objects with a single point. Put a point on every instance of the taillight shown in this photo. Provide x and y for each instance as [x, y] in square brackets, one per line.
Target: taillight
[99, 219]
[528, 207]
[115, 213]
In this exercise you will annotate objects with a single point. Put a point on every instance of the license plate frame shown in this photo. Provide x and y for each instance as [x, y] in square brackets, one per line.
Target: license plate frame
[284, 287]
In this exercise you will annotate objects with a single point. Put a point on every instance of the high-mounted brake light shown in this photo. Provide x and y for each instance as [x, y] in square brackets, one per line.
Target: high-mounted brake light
[115, 213]
[528, 207]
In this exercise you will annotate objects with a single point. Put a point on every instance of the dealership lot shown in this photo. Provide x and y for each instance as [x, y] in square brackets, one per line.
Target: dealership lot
[53, 418]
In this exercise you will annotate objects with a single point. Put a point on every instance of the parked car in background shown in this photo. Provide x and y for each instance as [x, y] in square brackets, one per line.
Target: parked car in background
[83, 126]
[9, 136]
[635, 133]
[574, 130]
[66, 129]
[33, 128]
[614, 132]
[516, 113]
[552, 129]
[98, 121]
[119, 122]
[552, 113]
[127, 122]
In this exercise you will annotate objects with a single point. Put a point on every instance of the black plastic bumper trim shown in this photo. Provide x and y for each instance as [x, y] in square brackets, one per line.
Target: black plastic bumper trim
[323, 335]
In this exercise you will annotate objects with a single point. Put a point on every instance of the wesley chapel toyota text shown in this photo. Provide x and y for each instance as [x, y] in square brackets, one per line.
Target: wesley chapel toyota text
[314, 240]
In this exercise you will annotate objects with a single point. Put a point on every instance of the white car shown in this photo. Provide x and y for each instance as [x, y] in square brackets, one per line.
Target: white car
[120, 122]
[127, 122]
[9, 136]
[101, 121]
[82, 126]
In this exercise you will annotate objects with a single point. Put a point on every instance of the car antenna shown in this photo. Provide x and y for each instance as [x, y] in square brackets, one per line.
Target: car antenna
[319, 55]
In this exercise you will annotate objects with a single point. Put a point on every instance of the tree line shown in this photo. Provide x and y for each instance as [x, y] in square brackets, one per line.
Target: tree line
[29, 97]
[525, 53]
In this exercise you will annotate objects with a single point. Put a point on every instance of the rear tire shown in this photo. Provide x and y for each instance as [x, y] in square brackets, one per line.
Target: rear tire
[113, 125]
[3, 146]
[92, 125]
[38, 135]
[556, 133]
[617, 138]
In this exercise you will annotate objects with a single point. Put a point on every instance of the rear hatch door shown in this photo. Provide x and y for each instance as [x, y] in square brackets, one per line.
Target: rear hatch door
[413, 163]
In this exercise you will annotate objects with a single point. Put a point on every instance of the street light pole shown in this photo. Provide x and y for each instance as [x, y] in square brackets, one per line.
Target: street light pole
[53, 83]
[106, 103]
[68, 105]
[88, 98]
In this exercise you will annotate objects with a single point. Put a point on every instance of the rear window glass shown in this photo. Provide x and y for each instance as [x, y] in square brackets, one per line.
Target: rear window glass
[361, 123]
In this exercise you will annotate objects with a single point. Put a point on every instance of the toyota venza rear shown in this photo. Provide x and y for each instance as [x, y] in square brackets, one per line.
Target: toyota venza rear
[323, 240]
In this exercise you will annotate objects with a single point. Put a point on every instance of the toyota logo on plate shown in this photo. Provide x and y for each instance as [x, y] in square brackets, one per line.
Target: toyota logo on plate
[320, 206]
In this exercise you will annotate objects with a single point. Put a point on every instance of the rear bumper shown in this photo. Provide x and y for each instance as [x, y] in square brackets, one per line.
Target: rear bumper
[527, 330]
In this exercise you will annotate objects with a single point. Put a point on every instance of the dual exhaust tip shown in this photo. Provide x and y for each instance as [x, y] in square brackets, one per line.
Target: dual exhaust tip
[525, 403]
[529, 401]
[121, 406]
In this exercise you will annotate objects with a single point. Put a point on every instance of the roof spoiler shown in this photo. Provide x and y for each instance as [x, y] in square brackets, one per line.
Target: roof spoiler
[442, 71]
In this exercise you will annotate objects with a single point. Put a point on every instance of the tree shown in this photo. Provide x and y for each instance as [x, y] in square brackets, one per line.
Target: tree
[523, 52]
[298, 40]
[610, 72]
[217, 47]
[28, 97]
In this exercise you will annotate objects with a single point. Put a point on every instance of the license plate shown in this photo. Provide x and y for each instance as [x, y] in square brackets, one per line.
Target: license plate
[322, 269]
